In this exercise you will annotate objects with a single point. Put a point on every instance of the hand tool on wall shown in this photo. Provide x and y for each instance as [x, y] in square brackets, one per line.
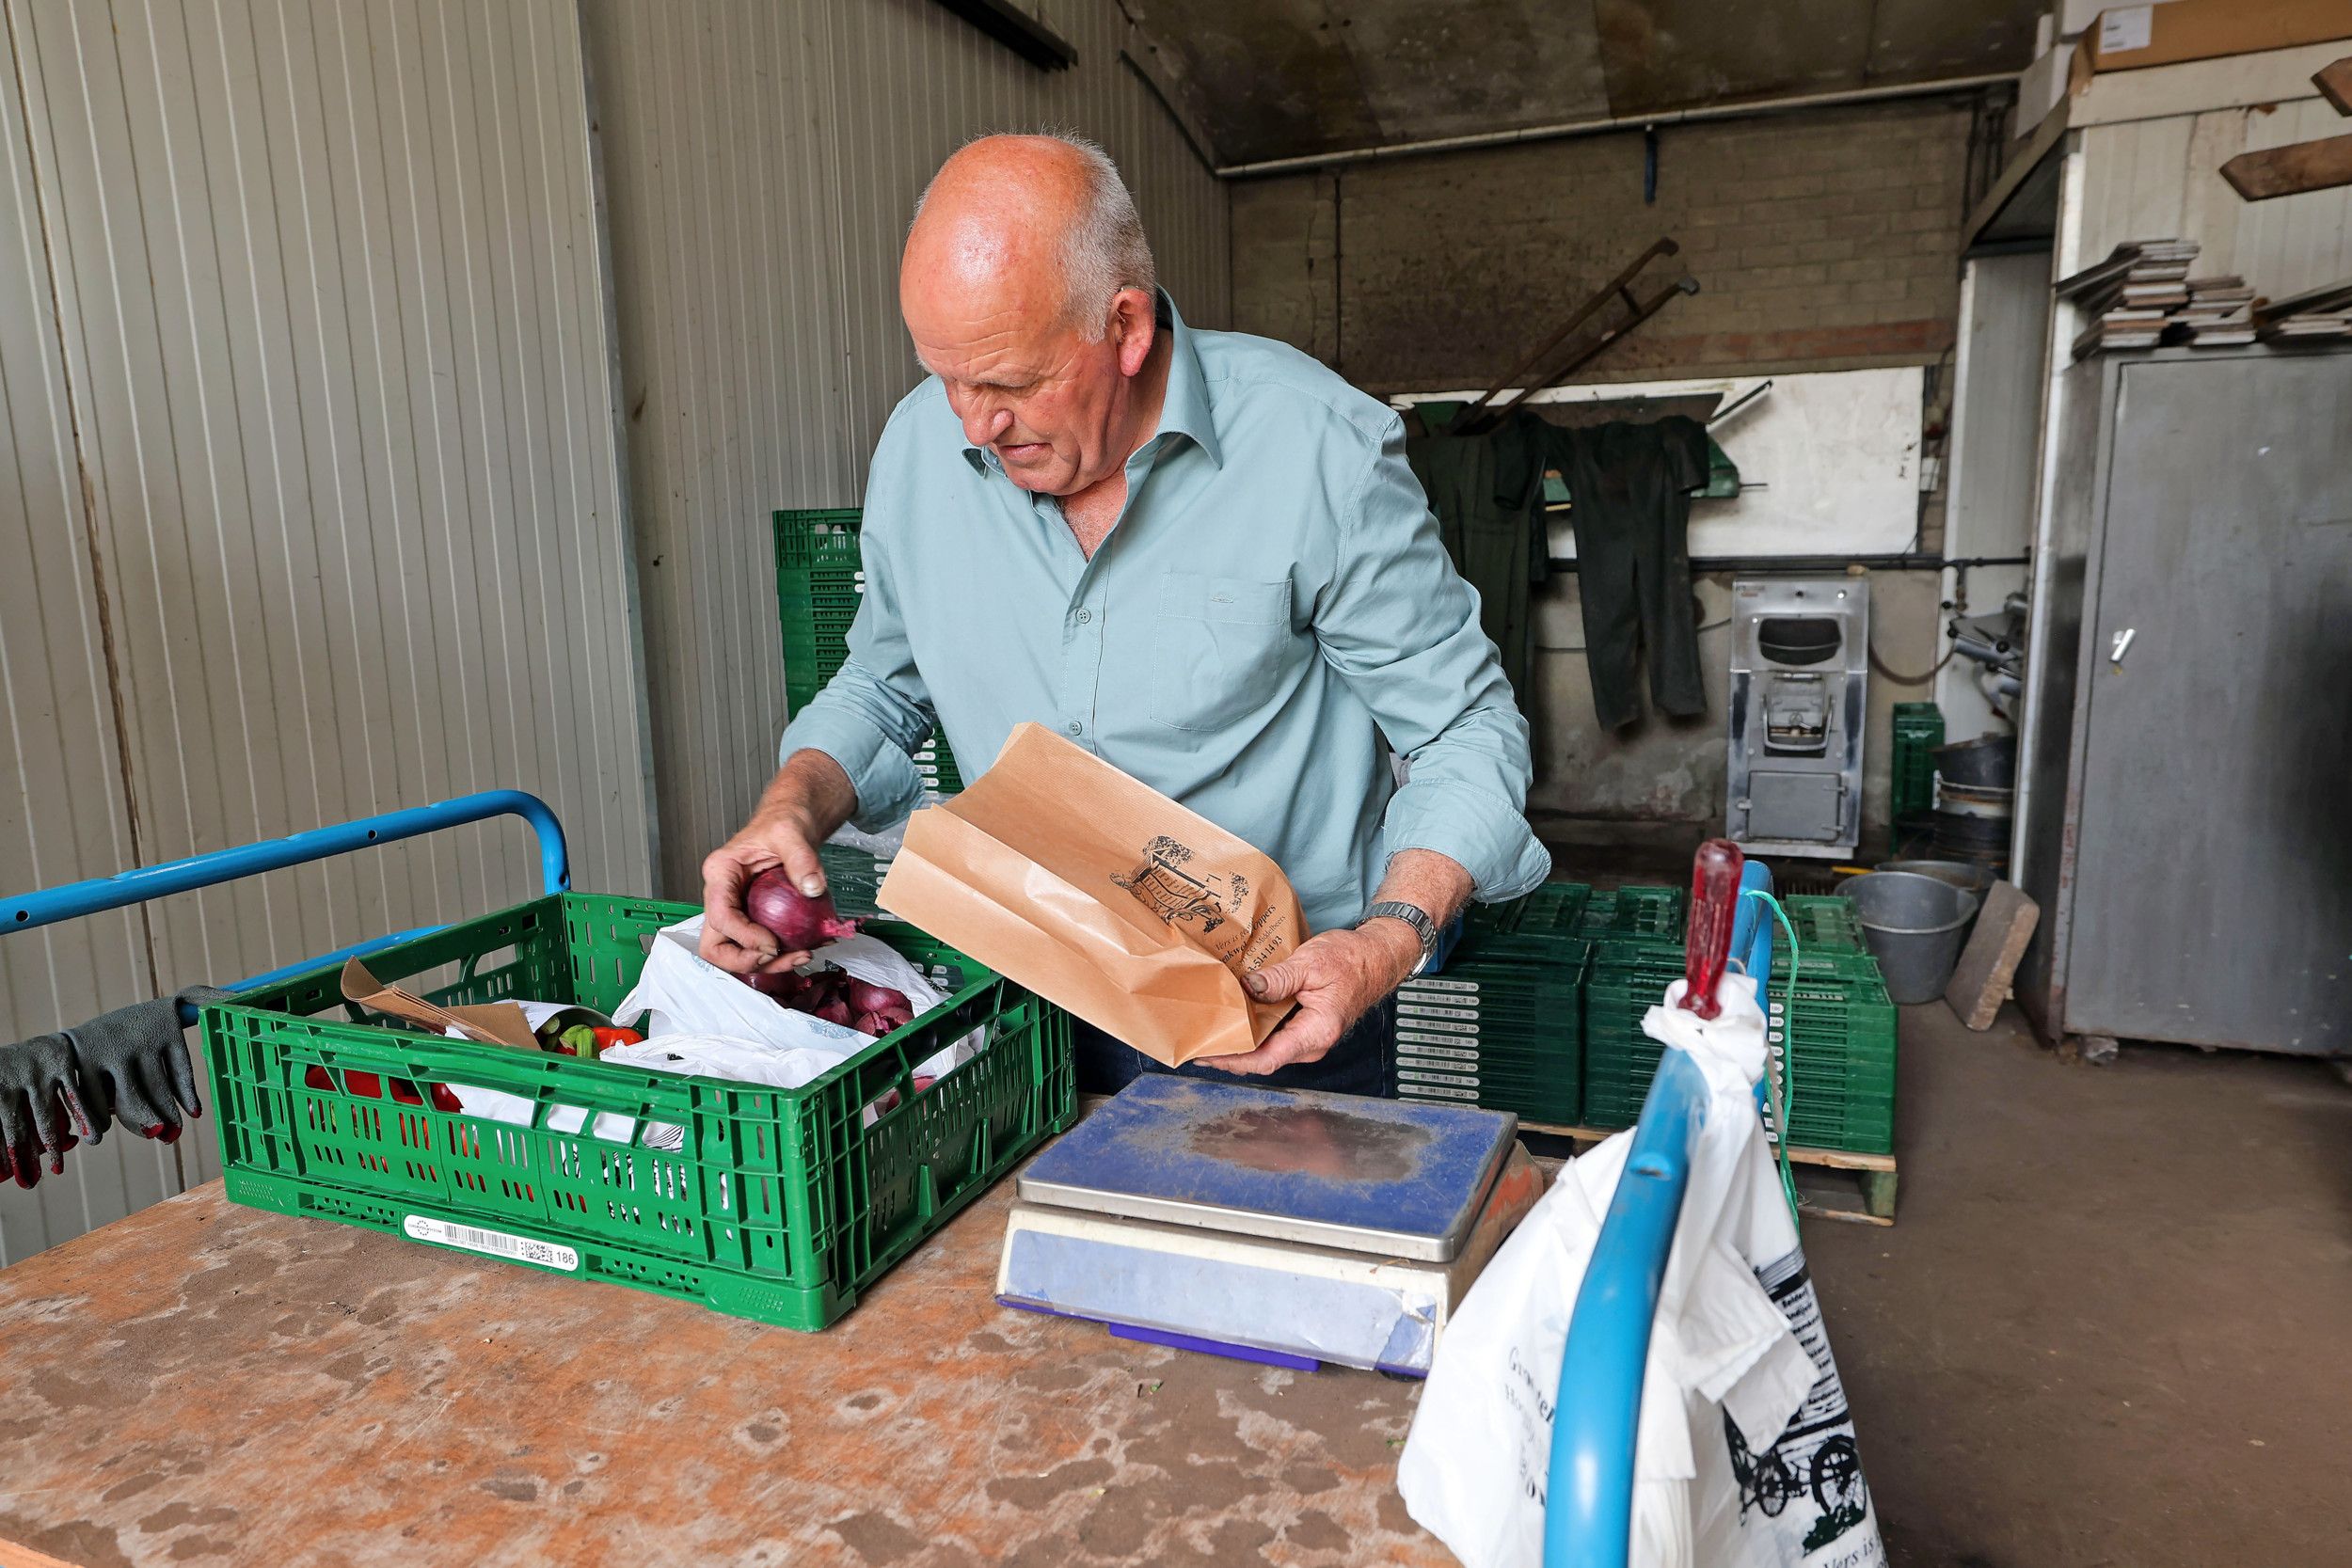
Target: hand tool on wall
[1615, 289]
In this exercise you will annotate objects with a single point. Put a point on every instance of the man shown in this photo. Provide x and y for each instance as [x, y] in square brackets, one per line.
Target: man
[1199, 555]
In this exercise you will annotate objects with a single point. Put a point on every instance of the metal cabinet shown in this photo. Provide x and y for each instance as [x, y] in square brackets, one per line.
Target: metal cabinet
[2186, 814]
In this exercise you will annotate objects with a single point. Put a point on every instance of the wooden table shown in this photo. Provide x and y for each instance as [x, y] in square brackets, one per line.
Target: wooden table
[206, 1384]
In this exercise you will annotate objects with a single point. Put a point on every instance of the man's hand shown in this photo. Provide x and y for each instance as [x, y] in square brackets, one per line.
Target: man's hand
[1336, 978]
[809, 796]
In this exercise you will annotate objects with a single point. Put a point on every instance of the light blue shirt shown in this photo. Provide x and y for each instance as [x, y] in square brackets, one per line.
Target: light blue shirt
[1273, 602]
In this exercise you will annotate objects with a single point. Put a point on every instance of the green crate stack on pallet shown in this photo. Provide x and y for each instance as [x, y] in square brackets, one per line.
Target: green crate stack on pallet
[1842, 1037]
[1918, 731]
[1502, 1025]
[820, 578]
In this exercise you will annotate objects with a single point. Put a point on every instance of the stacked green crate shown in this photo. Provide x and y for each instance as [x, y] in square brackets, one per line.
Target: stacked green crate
[1841, 1040]
[1628, 975]
[1837, 1058]
[1918, 731]
[821, 578]
[853, 876]
[1502, 1025]
[1645, 912]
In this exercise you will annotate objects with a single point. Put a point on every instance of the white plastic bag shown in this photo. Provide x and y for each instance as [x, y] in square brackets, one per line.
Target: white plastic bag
[1745, 1456]
[716, 1056]
[680, 992]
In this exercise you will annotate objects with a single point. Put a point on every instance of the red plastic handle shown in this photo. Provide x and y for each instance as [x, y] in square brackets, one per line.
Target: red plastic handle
[1714, 904]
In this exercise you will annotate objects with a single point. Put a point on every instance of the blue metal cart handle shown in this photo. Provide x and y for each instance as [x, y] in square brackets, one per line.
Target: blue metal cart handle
[28, 910]
[1596, 1413]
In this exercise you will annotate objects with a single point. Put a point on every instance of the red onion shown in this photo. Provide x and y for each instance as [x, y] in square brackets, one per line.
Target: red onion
[869, 998]
[801, 923]
[787, 985]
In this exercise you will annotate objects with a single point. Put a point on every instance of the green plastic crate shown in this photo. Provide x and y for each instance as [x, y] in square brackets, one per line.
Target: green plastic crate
[820, 581]
[1844, 1040]
[1823, 922]
[1918, 731]
[1648, 912]
[783, 1205]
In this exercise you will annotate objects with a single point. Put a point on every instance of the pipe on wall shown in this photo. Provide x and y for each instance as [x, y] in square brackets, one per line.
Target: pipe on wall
[1606, 124]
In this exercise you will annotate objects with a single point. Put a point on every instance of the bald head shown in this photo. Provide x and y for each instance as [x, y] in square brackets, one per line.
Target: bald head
[1029, 290]
[1010, 221]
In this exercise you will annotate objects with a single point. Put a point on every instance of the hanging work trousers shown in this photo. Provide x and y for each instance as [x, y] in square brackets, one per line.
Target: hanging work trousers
[1630, 502]
[1485, 491]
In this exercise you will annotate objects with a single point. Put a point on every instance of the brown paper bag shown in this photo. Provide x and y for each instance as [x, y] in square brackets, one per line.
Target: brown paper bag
[1104, 896]
[489, 1024]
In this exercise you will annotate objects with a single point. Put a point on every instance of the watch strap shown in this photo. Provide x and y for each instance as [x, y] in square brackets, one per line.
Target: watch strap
[1413, 915]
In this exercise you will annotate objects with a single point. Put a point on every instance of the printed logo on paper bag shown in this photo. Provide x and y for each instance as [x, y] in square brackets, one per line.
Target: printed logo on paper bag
[1177, 895]
[1215, 905]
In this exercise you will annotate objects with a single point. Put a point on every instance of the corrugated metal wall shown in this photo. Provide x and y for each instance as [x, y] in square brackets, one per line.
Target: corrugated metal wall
[2152, 178]
[304, 340]
[762, 159]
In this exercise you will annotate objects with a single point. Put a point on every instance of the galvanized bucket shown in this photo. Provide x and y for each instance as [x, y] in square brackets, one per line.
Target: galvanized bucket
[1914, 927]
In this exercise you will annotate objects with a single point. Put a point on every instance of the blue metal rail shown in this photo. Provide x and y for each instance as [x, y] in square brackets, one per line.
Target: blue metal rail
[27, 911]
[1588, 1517]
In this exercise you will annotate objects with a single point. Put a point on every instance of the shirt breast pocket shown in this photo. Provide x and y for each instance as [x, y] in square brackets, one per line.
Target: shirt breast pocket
[1221, 644]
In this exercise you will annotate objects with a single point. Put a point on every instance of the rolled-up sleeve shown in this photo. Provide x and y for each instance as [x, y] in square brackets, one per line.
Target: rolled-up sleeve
[1401, 627]
[876, 712]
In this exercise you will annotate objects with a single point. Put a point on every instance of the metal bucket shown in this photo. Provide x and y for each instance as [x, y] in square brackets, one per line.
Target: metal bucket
[1914, 925]
[1961, 874]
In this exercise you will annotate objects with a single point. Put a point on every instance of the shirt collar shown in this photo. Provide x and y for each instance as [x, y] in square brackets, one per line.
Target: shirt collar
[1183, 407]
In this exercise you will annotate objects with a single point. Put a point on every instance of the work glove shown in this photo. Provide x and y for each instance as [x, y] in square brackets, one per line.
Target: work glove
[134, 1066]
[40, 1107]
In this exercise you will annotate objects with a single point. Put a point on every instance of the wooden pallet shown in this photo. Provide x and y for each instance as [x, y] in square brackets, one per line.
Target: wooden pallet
[1870, 1199]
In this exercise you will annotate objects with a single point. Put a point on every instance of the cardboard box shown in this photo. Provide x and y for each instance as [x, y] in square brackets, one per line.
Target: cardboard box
[1102, 895]
[2128, 37]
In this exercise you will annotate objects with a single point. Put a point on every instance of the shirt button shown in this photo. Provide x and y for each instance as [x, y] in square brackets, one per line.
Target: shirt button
[1076, 728]
[1083, 616]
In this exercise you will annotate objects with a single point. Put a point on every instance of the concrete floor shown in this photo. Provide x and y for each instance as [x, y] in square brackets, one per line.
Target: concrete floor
[2109, 1327]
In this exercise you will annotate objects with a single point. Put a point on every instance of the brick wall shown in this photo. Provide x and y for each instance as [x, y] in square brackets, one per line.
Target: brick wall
[1818, 240]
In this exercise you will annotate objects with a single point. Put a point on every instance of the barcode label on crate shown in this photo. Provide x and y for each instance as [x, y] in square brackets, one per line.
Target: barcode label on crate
[1433, 1091]
[1467, 1080]
[1410, 986]
[1446, 1034]
[1430, 1047]
[1422, 1010]
[497, 1244]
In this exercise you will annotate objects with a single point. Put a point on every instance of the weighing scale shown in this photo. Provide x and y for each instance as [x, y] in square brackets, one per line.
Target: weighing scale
[1286, 1227]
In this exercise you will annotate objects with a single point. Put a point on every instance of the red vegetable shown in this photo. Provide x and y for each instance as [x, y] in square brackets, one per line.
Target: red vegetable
[803, 924]
[868, 998]
[785, 985]
[867, 1023]
[445, 1098]
[835, 1011]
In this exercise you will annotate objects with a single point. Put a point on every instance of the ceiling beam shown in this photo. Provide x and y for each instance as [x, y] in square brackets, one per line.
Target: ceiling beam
[1017, 30]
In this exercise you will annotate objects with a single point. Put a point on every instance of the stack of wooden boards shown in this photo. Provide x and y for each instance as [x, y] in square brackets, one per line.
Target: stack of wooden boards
[2142, 295]
[2314, 313]
[2128, 299]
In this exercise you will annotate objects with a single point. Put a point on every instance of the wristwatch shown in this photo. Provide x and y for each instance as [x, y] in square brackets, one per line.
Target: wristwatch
[1424, 928]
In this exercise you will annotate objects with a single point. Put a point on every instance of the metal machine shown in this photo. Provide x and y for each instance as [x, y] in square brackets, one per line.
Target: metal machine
[1800, 670]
